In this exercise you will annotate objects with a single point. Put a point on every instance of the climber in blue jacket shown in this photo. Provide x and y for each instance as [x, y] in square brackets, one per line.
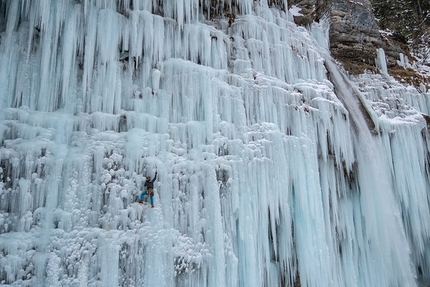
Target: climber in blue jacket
[149, 184]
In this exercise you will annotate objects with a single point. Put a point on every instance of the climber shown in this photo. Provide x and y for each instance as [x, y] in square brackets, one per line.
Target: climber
[149, 184]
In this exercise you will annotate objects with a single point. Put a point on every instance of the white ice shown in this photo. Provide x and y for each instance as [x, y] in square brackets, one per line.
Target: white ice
[274, 167]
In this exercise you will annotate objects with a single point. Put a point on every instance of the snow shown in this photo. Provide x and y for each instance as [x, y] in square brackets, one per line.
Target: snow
[295, 10]
[268, 166]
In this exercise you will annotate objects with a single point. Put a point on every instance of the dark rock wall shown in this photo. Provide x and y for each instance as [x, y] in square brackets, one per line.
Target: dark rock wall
[354, 32]
[355, 36]
[311, 10]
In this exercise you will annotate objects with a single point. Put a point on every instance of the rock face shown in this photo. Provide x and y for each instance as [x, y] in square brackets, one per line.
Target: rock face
[355, 36]
[310, 9]
[354, 33]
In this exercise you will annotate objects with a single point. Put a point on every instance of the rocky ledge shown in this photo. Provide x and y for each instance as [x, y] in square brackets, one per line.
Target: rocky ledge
[354, 33]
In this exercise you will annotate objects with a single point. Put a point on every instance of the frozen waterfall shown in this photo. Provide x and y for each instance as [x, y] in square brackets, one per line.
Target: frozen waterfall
[274, 167]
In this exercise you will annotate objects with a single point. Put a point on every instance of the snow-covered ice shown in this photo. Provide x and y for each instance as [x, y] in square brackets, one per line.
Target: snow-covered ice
[274, 167]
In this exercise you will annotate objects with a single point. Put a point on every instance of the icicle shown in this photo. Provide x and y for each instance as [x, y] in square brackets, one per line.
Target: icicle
[381, 62]
[267, 173]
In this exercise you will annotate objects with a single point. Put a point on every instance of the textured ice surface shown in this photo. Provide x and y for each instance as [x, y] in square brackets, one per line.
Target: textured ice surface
[273, 166]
